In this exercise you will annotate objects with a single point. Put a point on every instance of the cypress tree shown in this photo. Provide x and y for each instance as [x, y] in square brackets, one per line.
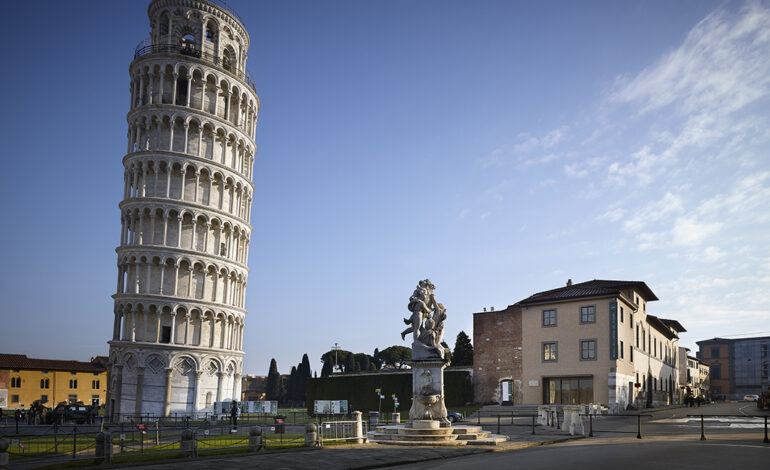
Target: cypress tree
[273, 382]
[463, 353]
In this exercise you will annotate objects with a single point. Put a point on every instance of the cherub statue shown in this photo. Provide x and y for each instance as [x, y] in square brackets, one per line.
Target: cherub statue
[421, 303]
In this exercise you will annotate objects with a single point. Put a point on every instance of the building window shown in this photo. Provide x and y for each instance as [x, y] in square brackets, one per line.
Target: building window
[73, 373]
[14, 399]
[549, 352]
[621, 314]
[72, 399]
[631, 321]
[95, 400]
[568, 390]
[549, 317]
[588, 314]
[637, 336]
[45, 383]
[644, 341]
[165, 335]
[630, 353]
[44, 372]
[95, 384]
[716, 371]
[73, 383]
[15, 382]
[621, 349]
[588, 349]
[715, 352]
[43, 398]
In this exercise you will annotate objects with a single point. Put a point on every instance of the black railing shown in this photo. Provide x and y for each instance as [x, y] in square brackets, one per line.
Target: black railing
[189, 51]
[227, 8]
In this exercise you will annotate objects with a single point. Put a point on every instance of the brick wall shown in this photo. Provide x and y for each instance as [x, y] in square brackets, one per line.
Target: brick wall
[496, 353]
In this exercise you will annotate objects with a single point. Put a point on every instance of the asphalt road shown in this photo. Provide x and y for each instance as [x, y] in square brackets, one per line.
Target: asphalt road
[651, 454]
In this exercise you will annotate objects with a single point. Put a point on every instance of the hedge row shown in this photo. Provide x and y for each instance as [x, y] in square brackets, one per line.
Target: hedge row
[359, 390]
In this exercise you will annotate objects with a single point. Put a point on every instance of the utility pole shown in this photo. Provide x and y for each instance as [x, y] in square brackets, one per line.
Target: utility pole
[335, 348]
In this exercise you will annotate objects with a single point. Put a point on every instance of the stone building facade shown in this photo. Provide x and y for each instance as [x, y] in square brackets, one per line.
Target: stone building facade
[182, 261]
[588, 342]
[497, 356]
[738, 366]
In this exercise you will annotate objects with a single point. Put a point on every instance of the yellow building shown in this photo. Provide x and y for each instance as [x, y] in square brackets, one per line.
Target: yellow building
[24, 379]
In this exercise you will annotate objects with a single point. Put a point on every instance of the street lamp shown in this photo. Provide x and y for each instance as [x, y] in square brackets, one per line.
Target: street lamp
[335, 348]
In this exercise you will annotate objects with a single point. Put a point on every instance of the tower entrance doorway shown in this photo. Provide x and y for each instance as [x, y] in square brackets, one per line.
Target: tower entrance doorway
[506, 392]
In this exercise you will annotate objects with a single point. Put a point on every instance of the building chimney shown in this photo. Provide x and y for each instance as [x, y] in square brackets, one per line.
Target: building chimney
[491, 309]
[569, 282]
[485, 309]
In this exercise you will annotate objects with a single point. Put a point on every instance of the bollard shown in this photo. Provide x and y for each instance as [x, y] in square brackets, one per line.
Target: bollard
[359, 427]
[498, 424]
[396, 418]
[638, 426]
[4, 457]
[766, 441]
[590, 425]
[255, 439]
[702, 433]
[533, 425]
[311, 437]
[187, 442]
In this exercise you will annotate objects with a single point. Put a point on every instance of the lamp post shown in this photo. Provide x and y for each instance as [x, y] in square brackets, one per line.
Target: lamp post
[335, 348]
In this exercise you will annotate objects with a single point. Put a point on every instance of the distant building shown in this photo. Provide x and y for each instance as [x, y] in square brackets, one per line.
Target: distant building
[693, 376]
[581, 343]
[253, 387]
[738, 366]
[24, 379]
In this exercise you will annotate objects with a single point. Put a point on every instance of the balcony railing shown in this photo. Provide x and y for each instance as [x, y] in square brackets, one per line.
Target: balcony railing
[189, 51]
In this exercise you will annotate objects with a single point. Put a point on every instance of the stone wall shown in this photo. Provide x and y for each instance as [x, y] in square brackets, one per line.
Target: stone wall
[496, 354]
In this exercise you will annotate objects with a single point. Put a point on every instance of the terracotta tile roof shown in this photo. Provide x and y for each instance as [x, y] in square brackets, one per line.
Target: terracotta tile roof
[661, 326]
[21, 361]
[595, 288]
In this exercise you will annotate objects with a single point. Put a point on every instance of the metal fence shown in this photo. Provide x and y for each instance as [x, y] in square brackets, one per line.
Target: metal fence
[342, 431]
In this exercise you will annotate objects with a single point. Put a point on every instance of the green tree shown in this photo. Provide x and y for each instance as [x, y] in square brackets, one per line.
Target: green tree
[273, 382]
[463, 353]
[326, 369]
[395, 356]
[350, 363]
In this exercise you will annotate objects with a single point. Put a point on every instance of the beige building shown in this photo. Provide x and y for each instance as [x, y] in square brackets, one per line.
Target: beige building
[23, 380]
[596, 342]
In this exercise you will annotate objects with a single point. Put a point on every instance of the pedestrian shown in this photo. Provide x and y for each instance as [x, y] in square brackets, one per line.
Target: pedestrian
[700, 399]
[234, 414]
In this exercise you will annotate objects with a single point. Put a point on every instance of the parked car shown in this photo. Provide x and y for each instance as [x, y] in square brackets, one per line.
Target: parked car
[454, 416]
[751, 397]
[78, 413]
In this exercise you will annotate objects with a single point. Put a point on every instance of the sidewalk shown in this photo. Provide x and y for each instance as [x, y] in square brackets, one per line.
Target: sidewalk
[351, 456]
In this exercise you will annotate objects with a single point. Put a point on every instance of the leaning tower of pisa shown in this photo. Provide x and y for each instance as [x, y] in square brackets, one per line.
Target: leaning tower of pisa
[179, 307]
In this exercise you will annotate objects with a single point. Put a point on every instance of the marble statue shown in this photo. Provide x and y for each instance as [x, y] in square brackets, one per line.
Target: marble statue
[429, 357]
[426, 323]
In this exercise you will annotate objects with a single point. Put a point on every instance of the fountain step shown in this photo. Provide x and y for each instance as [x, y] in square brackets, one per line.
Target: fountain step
[491, 440]
[422, 443]
[474, 436]
[426, 432]
[422, 437]
[466, 429]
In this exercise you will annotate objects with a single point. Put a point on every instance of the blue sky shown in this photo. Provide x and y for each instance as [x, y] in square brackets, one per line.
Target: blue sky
[498, 148]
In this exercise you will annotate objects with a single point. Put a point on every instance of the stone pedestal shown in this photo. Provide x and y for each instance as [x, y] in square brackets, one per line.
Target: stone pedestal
[428, 391]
